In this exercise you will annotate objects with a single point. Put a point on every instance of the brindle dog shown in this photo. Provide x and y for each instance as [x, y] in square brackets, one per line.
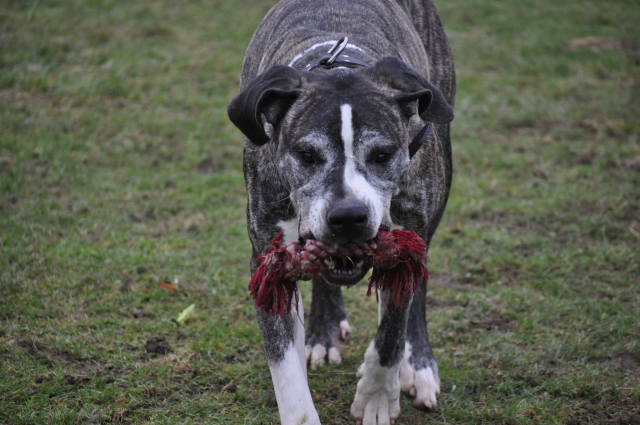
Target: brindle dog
[327, 157]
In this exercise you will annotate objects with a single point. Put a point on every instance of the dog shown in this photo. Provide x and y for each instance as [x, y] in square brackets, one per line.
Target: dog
[332, 96]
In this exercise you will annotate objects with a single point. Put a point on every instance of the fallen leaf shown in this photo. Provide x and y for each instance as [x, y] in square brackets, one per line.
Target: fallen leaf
[168, 287]
[186, 313]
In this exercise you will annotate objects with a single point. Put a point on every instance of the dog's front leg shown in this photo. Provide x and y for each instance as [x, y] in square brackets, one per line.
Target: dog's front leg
[377, 400]
[283, 340]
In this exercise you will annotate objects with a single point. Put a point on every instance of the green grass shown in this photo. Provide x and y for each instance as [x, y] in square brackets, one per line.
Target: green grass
[120, 171]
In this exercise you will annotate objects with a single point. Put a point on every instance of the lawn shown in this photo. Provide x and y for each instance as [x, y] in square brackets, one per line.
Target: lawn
[122, 203]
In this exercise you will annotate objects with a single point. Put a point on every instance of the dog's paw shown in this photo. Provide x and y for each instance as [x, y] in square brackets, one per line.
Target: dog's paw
[375, 408]
[377, 400]
[320, 351]
[422, 386]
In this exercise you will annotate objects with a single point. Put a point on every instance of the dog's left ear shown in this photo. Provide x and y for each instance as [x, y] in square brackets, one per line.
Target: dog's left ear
[409, 86]
[270, 96]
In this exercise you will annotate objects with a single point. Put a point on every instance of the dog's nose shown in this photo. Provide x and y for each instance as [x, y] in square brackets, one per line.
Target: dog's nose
[347, 219]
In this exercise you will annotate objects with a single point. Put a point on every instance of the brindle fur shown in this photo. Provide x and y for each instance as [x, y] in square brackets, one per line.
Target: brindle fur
[409, 30]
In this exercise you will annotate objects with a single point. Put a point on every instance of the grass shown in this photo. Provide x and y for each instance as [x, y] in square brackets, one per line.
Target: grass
[119, 171]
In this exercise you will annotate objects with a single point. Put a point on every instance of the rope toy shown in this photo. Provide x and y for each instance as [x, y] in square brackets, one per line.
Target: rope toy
[398, 259]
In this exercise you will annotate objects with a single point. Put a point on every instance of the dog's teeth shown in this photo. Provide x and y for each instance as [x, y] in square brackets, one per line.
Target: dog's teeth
[359, 264]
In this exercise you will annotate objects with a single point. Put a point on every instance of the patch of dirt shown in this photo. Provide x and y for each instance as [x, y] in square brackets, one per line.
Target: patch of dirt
[435, 302]
[210, 164]
[36, 348]
[141, 312]
[140, 216]
[587, 157]
[596, 43]
[77, 379]
[158, 345]
[444, 280]
[495, 321]
[625, 361]
[634, 164]
[126, 282]
[592, 412]
[122, 417]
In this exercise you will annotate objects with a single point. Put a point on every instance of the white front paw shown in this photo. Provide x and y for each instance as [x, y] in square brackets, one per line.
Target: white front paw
[422, 386]
[377, 400]
[376, 408]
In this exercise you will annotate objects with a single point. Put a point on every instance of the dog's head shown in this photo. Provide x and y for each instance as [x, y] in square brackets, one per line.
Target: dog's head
[342, 140]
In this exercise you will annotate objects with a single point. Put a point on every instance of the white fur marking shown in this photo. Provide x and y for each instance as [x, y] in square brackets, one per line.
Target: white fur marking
[290, 381]
[289, 230]
[346, 130]
[395, 226]
[378, 393]
[292, 390]
[354, 181]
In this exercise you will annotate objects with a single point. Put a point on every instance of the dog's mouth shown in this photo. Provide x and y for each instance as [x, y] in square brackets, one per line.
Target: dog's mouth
[344, 270]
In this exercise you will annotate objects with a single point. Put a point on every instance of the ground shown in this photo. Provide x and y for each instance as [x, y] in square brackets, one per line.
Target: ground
[122, 203]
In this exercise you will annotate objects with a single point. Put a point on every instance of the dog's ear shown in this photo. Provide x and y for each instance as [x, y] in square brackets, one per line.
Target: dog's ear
[270, 96]
[409, 86]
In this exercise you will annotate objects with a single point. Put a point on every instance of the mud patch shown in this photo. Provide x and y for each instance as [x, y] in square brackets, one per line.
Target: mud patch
[443, 280]
[76, 379]
[495, 321]
[434, 302]
[37, 349]
[210, 165]
[609, 413]
[626, 361]
[157, 345]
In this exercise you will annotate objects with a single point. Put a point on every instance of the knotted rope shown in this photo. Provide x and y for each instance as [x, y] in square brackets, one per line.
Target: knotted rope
[398, 259]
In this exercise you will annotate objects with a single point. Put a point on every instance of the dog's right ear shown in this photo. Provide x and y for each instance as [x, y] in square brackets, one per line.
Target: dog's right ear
[270, 96]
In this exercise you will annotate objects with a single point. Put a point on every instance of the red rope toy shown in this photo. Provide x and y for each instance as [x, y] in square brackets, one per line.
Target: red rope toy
[398, 259]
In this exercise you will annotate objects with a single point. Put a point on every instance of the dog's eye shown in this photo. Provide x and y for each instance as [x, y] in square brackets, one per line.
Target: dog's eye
[381, 158]
[307, 157]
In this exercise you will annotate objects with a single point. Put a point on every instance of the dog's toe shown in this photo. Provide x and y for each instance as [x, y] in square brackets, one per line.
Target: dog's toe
[322, 349]
[319, 356]
[316, 356]
[421, 386]
[334, 356]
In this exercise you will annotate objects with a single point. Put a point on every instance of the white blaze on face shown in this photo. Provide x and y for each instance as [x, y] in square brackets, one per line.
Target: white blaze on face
[355, 183]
